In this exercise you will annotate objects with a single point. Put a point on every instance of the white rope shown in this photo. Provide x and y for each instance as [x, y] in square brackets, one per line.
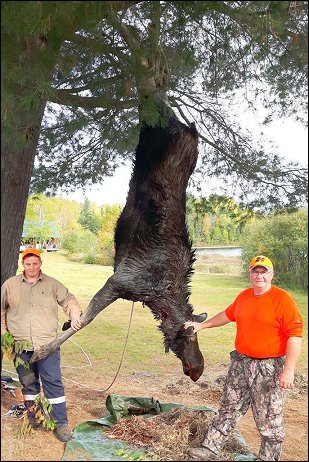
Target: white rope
[62, 367]
[90, 364]
[83, 351]
[121, 360]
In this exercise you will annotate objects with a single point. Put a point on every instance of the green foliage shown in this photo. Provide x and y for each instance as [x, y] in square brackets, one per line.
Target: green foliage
[79, 77]
[63, 212]
[128, 454]
[89, 218]
[10, 349]
[81, 245]
[41, 409]
[284, 239]
[79, 241]
[217, 220]
[44, 405]
[110, 215]
[106, 65]
[84, 245]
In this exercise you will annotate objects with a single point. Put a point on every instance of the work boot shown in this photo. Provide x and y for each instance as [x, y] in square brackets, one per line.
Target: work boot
[63, 433]
[202, 453]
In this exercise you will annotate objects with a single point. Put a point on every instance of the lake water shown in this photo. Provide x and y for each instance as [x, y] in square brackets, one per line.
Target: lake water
[226, 251]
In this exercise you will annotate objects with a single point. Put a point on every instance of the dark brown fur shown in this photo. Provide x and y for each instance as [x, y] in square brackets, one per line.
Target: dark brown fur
[153, 259]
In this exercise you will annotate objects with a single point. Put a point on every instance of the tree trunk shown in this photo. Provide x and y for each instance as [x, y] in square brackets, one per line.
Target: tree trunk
[16, 170]
[31, 62]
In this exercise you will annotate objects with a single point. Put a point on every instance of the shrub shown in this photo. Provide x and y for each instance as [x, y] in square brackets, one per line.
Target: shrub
[284, 239]
[81, 245]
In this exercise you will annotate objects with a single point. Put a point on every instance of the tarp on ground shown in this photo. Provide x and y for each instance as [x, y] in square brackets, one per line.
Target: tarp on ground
[90, 443]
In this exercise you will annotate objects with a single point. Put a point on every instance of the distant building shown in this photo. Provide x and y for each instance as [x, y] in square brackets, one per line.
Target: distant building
[40, 234]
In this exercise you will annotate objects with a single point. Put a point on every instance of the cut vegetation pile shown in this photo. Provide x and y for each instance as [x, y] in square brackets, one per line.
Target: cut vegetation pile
[171, 434]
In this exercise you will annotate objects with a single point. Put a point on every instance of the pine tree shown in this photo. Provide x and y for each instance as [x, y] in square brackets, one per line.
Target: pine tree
[79, 78]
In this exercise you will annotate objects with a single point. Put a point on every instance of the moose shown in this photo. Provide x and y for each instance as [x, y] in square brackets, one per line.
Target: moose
[153, 253]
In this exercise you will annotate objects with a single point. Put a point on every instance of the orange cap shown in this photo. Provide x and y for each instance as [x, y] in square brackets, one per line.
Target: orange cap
[30, 251]
[260, 260]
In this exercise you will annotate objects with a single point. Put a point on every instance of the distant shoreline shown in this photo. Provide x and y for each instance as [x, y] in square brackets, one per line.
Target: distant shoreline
[224, 250]
[218, 247]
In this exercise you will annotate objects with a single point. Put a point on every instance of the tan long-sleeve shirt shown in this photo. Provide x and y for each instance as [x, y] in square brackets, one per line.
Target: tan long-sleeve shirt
[29, 311]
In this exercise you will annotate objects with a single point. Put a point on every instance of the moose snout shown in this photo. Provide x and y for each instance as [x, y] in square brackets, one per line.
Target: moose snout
[194, 372]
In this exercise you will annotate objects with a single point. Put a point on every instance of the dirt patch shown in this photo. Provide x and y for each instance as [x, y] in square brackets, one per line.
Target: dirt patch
[86, 404]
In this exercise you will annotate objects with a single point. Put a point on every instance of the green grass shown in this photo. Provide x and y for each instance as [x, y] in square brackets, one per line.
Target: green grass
[104, 339]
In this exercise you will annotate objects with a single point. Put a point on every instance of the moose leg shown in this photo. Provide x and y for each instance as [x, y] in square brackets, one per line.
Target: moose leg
[104, 297]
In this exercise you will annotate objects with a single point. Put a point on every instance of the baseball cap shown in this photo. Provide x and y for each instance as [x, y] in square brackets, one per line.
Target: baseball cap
[30, 252]
[260, 260]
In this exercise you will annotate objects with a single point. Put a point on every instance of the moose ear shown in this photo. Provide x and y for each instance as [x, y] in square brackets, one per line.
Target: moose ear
[200, 317]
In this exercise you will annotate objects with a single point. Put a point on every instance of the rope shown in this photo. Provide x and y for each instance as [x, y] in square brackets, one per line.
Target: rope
[90, 364]
[79, 367]
[121, 360]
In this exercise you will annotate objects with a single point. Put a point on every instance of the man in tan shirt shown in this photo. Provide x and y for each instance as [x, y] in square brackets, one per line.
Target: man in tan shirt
[29, 311]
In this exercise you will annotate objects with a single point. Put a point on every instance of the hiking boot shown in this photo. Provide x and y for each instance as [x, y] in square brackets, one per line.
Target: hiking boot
[202, 453]
[63, 433]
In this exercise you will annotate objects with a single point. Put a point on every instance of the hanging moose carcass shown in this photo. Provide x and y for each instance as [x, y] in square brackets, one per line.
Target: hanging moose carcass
[153, 255]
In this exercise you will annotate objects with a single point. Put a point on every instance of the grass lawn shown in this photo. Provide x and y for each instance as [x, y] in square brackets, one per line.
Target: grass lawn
[105, 337]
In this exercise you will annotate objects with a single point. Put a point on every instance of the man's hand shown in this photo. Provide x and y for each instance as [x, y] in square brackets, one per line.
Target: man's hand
[196, 325]
[286, 380]
[76, 324]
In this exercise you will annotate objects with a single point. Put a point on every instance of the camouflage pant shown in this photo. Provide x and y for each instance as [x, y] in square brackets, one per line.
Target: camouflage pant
[252, 382]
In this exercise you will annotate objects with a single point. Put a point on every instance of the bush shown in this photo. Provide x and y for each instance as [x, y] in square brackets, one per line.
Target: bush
[105, 257]
[284, 239]
[106, 248]
[81, 245]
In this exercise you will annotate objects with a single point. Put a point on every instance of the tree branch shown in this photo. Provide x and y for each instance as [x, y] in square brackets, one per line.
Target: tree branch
[63, 97]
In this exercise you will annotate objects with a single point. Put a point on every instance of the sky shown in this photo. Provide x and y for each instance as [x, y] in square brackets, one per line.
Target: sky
[290, 137]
